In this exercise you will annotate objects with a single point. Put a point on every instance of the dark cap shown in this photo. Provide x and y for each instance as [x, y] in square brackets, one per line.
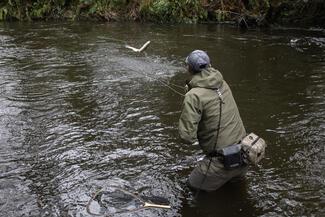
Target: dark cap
[198, 60]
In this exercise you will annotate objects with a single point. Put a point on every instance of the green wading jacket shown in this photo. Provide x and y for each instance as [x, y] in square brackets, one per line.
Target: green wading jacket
[200, 114]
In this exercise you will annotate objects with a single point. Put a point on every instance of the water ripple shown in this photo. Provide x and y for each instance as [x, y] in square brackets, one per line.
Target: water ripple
[78, 112]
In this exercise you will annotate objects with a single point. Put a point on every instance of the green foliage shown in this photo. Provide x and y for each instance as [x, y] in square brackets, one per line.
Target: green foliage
[160, 9]
[3, 13]
[259, 6]
[188, 11]
[28, 10]
[174, 11]
[40, 9]
[220, 15]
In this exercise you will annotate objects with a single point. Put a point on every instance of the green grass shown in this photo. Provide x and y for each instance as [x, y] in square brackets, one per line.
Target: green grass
[162, 11]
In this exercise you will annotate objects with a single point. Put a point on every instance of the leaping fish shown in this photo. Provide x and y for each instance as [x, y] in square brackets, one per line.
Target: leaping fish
[139, 50]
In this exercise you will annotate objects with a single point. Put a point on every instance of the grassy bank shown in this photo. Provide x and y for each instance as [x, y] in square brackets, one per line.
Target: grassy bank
[246, 12]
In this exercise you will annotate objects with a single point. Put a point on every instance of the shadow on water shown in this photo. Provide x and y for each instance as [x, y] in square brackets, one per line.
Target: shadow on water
[79, 112]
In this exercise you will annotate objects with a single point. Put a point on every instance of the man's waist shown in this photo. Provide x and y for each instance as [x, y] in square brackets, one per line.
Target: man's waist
[217, 152]
[214, 154]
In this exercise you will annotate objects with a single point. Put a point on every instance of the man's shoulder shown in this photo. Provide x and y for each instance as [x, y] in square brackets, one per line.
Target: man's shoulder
[198, 91]
[201, 94]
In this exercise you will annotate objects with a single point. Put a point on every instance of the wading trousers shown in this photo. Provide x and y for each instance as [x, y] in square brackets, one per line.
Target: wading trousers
[215, 177]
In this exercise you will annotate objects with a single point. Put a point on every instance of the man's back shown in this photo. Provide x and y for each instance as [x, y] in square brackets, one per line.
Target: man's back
[200, 114]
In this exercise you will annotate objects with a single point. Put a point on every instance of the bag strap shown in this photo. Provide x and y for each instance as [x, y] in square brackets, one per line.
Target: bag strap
[215, 145]
[255, 141]
[220, 112]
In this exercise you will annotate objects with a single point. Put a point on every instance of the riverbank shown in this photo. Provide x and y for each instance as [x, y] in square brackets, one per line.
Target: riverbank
[246, 13]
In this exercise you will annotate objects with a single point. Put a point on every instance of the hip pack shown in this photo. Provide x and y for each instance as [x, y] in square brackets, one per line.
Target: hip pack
[231, 156]
[253, 148]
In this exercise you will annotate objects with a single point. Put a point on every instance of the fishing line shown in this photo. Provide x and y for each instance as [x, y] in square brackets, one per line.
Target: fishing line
[113, 39]
[165, 84]
[5, 204]
[162, 82]
[146, 74]
[176, 85]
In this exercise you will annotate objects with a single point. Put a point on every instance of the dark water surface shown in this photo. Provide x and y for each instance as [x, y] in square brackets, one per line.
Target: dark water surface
[79, 112]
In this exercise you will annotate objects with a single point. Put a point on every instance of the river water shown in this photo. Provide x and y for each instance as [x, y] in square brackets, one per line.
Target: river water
[79, 112]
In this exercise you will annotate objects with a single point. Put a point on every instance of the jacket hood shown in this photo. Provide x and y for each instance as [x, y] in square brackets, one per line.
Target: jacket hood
[208, 78]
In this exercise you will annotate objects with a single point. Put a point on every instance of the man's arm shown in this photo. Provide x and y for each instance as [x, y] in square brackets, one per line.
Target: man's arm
[190, 118]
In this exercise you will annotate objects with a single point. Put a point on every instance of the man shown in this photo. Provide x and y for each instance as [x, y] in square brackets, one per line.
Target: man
[200, 117]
